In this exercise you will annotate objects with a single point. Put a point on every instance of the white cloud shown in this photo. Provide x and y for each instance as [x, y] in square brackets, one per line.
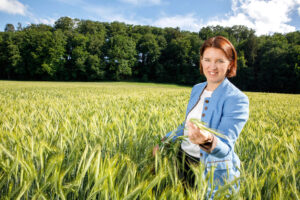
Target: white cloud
[239, 19]
[184, 22]
[266, 17]
[48, 21]
[234, 5]
[13, 7]
[121, 18]
[142, 2]
[269, 11]
[187, 22]
[72, 2]
[110, 14]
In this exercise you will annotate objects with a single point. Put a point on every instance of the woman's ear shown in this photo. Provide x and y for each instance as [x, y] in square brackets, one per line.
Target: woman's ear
[230, 65]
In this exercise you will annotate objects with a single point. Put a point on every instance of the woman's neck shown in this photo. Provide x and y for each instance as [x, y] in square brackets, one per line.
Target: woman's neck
[211, 86]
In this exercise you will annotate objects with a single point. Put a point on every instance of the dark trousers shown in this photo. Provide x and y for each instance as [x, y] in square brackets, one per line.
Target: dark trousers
[185, 172]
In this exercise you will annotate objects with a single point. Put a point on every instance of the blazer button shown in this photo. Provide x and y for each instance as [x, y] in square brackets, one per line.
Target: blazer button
[205, 108]
[206, 101]
[201, 154]
[203, 115]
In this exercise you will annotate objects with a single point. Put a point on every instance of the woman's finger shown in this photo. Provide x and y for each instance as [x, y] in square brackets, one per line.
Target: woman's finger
[191, 125]
[155, 150]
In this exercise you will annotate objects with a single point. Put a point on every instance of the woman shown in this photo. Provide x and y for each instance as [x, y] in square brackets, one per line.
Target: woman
[222, 106]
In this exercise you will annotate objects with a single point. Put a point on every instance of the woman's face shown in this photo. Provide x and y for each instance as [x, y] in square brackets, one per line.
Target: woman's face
[215, 65]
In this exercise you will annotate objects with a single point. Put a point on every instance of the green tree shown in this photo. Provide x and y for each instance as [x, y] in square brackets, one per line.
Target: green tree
[43, 54]
[121, 57]
[293, 61]
[193, 73]
[273, 68]
[176, 59]
[87, 50]
[148, 55]
[90, 27]
[211, 31]
[293, 37]
[56, 55]
[65, 24]
[206, 32]
[9, 28]
[116, 28]
[19, 28]
[95, 43]
[95, 68]
[10, 57]
[244, 77]
[247, 73]
[171, 33]
[39, 27]
[77, 56]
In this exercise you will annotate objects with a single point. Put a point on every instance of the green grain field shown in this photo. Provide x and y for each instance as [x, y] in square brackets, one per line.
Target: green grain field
[95, 140]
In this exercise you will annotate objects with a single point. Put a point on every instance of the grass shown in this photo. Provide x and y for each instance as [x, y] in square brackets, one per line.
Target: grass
[94, 141]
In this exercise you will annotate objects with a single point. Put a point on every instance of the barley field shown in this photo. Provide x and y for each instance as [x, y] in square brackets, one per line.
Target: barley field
[94, 141]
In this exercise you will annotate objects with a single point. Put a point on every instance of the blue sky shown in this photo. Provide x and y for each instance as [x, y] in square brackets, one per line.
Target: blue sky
[264, 16]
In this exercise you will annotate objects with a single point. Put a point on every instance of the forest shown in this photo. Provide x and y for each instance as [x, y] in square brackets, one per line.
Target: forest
[85, 50]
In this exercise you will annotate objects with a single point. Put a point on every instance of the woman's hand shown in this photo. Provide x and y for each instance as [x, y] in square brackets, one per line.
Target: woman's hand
[155, 150]
[196, 135]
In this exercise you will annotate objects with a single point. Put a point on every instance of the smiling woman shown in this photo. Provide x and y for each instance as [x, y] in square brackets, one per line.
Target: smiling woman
[222, 107]
[218, 60]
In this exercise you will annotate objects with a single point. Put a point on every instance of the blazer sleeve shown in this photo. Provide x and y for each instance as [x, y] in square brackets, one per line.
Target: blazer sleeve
[177, 132]
[235, 116]
[180, 129]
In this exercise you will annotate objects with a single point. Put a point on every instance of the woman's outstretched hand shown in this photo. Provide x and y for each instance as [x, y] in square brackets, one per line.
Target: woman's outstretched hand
[155, 150]
[196, 135]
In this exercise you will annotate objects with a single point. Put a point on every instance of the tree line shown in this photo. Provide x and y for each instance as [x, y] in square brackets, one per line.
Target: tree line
[85, 50]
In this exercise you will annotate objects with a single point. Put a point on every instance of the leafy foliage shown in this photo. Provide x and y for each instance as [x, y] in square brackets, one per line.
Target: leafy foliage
[85, 50]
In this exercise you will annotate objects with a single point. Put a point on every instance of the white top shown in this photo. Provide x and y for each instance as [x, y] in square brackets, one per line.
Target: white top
[187, 145]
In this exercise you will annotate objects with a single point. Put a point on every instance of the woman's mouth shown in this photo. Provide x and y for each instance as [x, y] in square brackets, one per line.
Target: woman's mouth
[212, 73]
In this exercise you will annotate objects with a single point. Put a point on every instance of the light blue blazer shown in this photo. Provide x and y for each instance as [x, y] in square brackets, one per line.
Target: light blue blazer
[227, 112]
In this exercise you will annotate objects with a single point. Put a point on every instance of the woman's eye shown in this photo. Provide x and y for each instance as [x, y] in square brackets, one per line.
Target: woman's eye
[220, 61]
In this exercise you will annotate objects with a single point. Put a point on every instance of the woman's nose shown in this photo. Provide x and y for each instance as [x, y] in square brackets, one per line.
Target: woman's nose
[213, 65]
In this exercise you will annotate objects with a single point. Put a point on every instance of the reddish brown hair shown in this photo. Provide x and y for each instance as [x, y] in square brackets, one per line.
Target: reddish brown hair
[225, 45]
